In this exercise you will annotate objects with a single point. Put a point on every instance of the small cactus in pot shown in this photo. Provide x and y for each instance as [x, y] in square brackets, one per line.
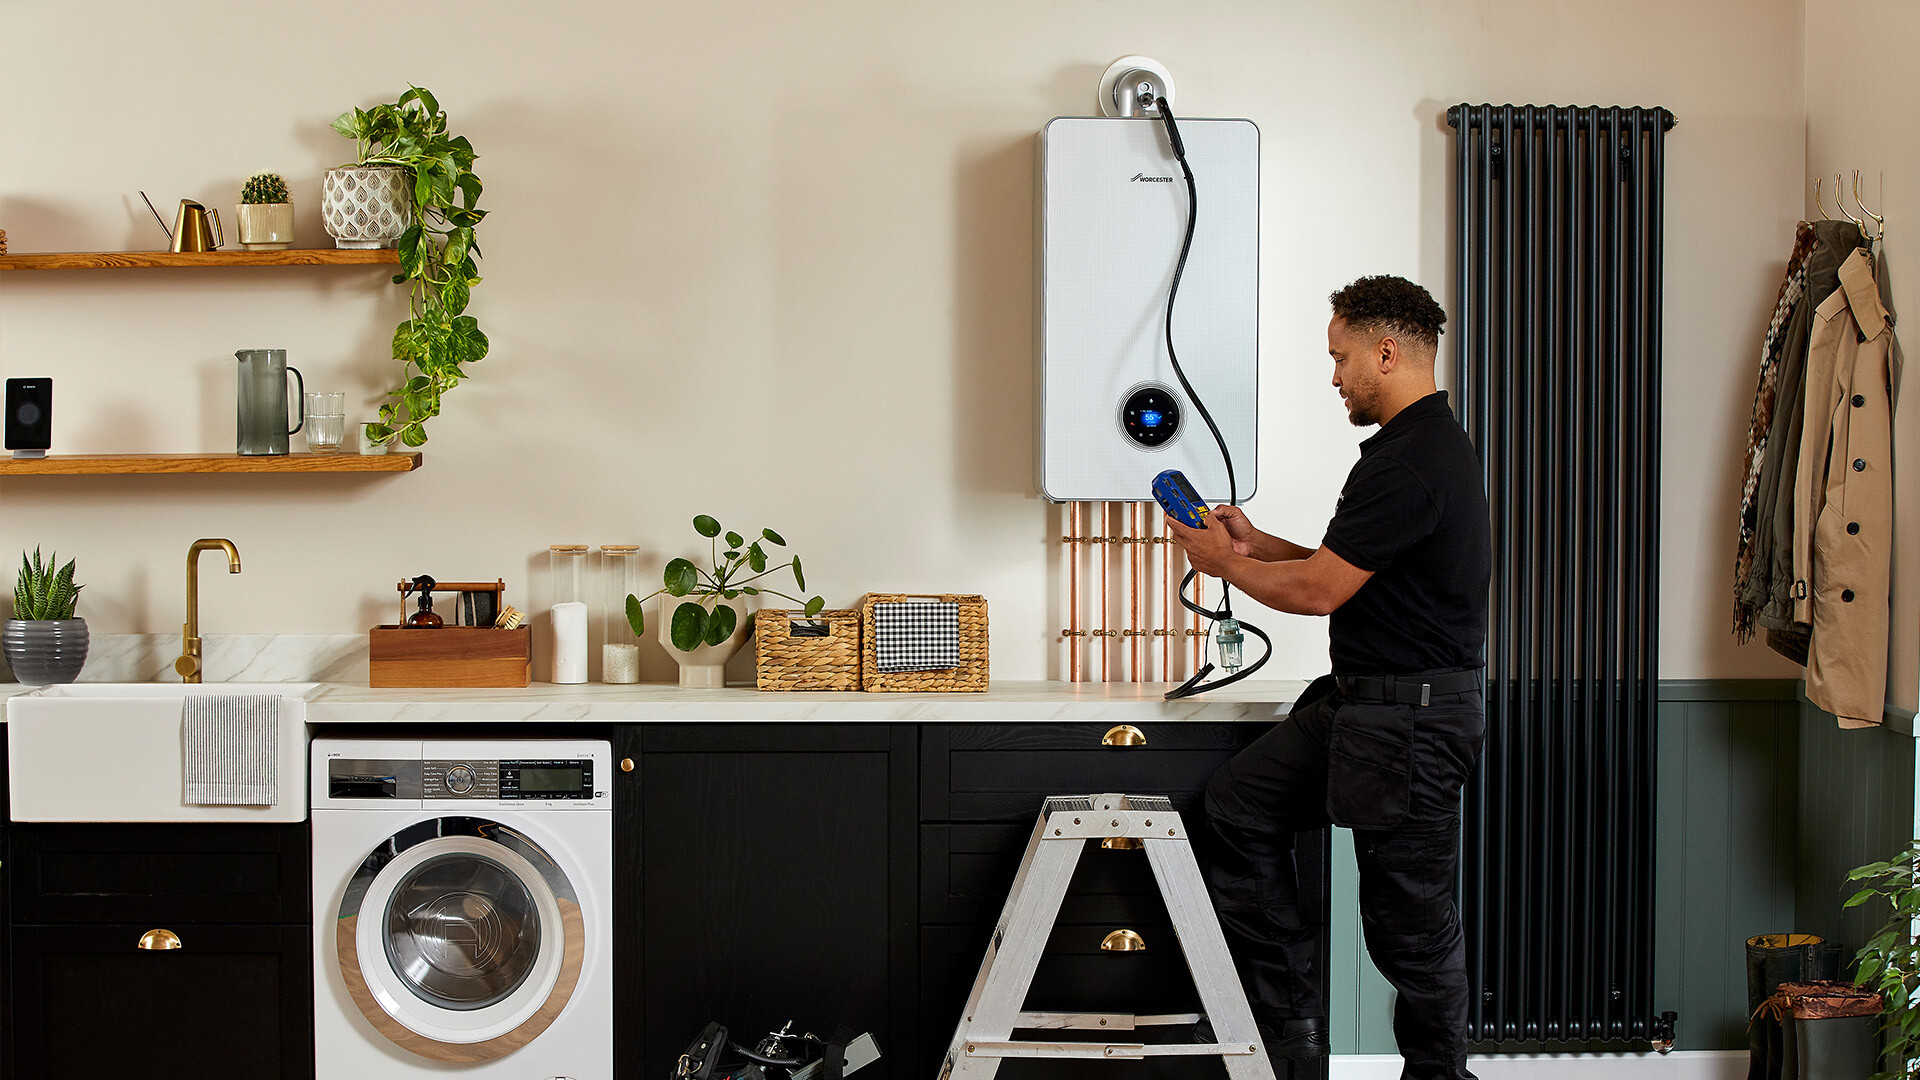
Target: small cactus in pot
[44, 643]
[266, 213]
[264, 187]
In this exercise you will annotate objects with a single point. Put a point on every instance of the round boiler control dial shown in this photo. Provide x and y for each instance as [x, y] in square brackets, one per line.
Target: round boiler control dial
[1150, 416]
[460, 779]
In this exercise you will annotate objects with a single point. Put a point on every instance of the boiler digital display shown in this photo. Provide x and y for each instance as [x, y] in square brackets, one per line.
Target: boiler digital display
[1150, 416]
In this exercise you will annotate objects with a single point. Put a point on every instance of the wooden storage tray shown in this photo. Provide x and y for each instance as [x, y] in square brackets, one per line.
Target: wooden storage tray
[449, 656]
[971, 675]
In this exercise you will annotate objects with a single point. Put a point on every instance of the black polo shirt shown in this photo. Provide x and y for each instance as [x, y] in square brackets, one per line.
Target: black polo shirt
[1414, 512]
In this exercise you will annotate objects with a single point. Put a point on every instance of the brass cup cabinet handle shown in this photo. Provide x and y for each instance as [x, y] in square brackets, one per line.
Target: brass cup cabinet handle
[1123, 941]
[159, 940]
[1124, 735]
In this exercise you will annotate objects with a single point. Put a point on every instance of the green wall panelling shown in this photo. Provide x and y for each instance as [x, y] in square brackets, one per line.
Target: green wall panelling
[1856, 805]
[1725, 853]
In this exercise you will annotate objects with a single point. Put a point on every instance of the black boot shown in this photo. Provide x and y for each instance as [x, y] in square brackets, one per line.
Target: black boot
[1286, 1040]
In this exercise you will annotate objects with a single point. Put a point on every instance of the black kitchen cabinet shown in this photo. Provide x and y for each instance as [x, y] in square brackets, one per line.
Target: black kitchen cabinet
[981, 788]
[96, 873]
[1001, 772]
[230, 1002]
[234, 999]
[776, 881]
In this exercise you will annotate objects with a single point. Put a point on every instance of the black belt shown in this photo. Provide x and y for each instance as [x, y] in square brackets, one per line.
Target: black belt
[1407, 689]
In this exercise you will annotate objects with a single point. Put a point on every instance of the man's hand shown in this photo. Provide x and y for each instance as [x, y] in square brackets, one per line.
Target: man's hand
[1211, 550]
[1245, 536]
[1297, 580]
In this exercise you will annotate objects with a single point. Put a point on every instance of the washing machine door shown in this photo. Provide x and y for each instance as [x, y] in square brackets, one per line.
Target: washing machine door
[460, 939]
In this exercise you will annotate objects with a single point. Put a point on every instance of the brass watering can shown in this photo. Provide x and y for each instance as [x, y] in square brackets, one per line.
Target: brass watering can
[191, 231]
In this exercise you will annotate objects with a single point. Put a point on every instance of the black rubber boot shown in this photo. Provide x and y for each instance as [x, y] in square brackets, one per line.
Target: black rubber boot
[1285, 1040]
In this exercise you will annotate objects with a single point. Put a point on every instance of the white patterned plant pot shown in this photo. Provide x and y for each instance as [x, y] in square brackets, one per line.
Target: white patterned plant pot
[366, 206]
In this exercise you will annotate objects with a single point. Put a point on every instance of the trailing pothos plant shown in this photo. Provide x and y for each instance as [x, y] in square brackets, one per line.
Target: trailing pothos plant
[437, 254]
[693, 625]
[1890, 960]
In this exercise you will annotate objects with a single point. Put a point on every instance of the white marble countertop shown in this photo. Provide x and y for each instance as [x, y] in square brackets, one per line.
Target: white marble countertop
[596, 703]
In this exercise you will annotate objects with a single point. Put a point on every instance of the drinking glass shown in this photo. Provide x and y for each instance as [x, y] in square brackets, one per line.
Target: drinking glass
[326, 422]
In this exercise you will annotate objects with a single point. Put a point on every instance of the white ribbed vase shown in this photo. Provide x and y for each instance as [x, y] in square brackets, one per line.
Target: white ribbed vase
[366, 206]
[704, 668]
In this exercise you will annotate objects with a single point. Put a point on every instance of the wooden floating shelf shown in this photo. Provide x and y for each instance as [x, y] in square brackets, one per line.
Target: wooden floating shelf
[134, 260]
[150, 464]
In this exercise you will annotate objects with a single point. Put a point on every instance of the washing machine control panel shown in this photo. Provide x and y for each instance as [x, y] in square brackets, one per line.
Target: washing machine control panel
[569, 778]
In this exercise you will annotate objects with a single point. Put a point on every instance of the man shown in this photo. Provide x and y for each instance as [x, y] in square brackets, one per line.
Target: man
[1383, 744]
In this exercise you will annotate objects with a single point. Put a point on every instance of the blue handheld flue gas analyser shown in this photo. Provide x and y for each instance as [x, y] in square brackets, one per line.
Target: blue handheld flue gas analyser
[1176, 496]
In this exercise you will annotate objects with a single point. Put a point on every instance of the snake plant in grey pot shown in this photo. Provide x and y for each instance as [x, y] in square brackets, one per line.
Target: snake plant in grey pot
[44, 643]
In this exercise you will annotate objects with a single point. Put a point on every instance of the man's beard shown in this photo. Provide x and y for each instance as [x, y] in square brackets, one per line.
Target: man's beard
[1361, 410]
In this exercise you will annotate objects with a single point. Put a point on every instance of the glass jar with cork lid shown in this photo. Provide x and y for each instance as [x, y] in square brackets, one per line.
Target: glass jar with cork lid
[619, 645]
[567, 580]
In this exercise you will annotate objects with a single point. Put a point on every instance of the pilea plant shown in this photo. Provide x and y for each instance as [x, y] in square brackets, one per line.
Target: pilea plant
[694, 625]
[437, 254]
[264, 187]
[1890, 961]
[43, 593]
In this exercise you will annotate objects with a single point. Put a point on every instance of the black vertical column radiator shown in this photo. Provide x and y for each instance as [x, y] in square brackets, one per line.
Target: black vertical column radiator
[1557, 323]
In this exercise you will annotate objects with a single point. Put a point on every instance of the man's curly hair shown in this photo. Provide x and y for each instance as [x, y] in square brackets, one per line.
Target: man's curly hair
[1389, 305]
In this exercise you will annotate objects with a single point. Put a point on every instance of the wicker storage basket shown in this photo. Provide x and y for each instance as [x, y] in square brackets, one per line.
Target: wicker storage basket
[971, 675]
[784, 660]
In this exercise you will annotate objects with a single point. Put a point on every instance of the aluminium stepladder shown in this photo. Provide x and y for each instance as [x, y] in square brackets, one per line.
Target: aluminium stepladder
[984, 1036]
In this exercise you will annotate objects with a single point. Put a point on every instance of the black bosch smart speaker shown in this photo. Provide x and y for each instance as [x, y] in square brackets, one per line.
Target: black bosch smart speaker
[29, 416]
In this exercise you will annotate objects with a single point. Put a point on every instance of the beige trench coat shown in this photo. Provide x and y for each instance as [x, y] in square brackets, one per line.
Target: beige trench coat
[1843, 514]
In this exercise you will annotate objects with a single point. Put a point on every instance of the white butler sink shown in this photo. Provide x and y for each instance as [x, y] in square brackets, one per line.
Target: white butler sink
[113, 752]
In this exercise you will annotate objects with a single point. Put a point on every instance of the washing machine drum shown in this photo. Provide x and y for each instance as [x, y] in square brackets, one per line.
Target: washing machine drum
[460, 939]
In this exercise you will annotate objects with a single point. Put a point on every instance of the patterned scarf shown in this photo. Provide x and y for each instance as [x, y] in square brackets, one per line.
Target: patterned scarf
[1761, 423]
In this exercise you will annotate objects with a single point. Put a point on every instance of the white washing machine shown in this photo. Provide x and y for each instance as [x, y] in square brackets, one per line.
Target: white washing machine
[462, 909]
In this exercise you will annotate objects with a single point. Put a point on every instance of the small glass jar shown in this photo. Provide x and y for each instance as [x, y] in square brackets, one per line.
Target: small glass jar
[567, 582]
[619, 645]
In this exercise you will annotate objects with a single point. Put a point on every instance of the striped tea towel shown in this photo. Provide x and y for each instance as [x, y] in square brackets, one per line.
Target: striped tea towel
[916, 636]
[232, 749]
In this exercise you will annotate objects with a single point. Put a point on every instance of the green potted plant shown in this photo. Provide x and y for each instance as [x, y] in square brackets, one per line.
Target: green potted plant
[703, 618]
[266, 213]
[437, 252]
[1890, 960]
[44, 643]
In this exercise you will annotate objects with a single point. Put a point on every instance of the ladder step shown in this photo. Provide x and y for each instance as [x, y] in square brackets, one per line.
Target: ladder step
[1040, 1021]
[1105, 1050]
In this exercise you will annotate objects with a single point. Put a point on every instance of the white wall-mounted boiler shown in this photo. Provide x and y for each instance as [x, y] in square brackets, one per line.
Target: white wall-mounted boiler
[1110, 413]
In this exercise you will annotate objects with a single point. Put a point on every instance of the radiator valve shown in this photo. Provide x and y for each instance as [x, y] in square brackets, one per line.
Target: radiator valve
[1663, 1032]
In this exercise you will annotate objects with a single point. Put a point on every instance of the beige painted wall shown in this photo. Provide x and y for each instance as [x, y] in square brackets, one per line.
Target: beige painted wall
[772, 262]
[1860, 115]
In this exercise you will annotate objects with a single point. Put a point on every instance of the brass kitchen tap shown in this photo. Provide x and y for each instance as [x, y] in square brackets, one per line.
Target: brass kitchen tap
[189, 663]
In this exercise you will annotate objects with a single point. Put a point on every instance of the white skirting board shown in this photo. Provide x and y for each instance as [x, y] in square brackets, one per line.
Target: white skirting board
[1680, 1065]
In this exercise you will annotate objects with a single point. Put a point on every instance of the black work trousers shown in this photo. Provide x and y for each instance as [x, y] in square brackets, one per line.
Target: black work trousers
[1392, 773]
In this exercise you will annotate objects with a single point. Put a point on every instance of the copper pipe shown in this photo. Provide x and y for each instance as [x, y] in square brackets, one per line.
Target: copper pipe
[1166, 603]
[1073, 592]
[1133, 591]
[1199, 600]
[1105, 627]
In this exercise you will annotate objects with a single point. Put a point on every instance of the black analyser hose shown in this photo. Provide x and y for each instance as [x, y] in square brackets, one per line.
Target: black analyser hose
[1194, 685]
